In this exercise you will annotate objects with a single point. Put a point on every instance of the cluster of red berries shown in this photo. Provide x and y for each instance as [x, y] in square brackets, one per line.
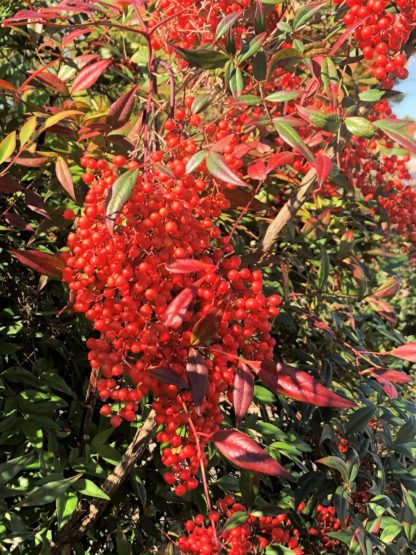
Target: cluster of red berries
[326, 521]
[122, 282]
[255, 534]
[382, 28]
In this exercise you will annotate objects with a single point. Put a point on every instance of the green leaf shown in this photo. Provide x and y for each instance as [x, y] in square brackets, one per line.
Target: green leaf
[196, 160]
[328, 122]
[260, 66]
[359, 419]
[287, 58]
[118, 196]
[329, 75]
[306, 12]
[226, 23]
[361, 127]
[409, 514]
[204, 58]
[218, 168]
[200, 103]
[252, 47]
[249, 99]
[236, 82]
[337, 464]
[27, 130]
[292, 138]
[390, 533]
[49, 492]
[10, 468]
[323, 268]
[7, 146]
[123, 545]
[87, 487]
[371, 95]
[263, 395]
[283, 96]
[236, 519]
[396, 131]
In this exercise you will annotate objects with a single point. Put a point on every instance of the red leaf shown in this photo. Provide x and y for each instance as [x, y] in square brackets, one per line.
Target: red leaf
[189, 266]
[176, 310]
[297, 384]
[89, 75]
[7, 86]
[405, 352]
[121, 110]
[257, 171]
[64, 176]
[207, 326]
[323, 167]
[279, 159]
[17, 221]
[74, 34]
[35, 203]
[394, 376]
[53, 81]
[245, 453]
[8, 184]
[243, 391]
[389, 287]
[168, 376]
[42, 262]
[388, 388]
[31, 161]
[197, 370]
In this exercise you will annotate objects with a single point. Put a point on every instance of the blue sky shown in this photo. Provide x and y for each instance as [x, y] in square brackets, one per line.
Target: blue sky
[407, 107]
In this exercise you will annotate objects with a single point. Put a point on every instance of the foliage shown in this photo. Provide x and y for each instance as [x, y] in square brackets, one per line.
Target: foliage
[233, 174]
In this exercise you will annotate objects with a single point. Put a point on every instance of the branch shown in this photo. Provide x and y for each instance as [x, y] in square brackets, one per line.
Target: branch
[287, 212]
[86, 516]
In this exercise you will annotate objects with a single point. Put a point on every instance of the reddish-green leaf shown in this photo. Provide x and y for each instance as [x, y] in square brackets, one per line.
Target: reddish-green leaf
[42, 262]
[89, 75]
[217, 167]
[396, 131]
[297, 384]
[388, 288]
[405, 352]
[196, 160]
[168, 376]
[245, 453]
[64, 176]
[292, 138]
[189, 266]
[118, 196]
[7, 146]
[226, 23]
[204, 58]
[329, 122]
[323, 167]
[197, 369]
[53, 81]
[121, 110]
[243, 391]
[206, 327]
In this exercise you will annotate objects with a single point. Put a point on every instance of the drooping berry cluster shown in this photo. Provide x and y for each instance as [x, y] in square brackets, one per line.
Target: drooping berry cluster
[382, 28]
[122, 281]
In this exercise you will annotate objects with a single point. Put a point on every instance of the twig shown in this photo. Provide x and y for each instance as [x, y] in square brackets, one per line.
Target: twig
[85, 516]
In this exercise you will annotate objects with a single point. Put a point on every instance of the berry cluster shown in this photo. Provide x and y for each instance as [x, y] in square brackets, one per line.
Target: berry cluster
[255, 534]
[325, 522]
[146, 311]
[382, 28]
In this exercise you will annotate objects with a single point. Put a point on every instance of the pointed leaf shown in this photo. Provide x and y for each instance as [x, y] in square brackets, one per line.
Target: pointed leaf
[328, 122]
[305, 12]
[292, 138]
[203, 57]
[89, 75]
[279, 159]
[206, 327]
[189, 266]
[251, 47]
[168, 376]
[218, 168]
[87, 487]
[391, 375]
[119, 194]
[297, 384]
[64, 176]
[176, 310]
[405, 352]
[27, 130]
[359, 126]
[197, 369]
[243, 391]
[243, 452]
[196, 160]
[337, 464]
[226, 23]
[7, 146]
[42, 262]
[52, 120]
[388, 288]
[371, 95]
[323, 167]
[48, 492]
[396, 132]
[121, 110]
[53, 81]
[283, 96]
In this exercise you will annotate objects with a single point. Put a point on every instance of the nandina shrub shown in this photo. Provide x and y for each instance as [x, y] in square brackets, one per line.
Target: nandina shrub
[241, 208]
